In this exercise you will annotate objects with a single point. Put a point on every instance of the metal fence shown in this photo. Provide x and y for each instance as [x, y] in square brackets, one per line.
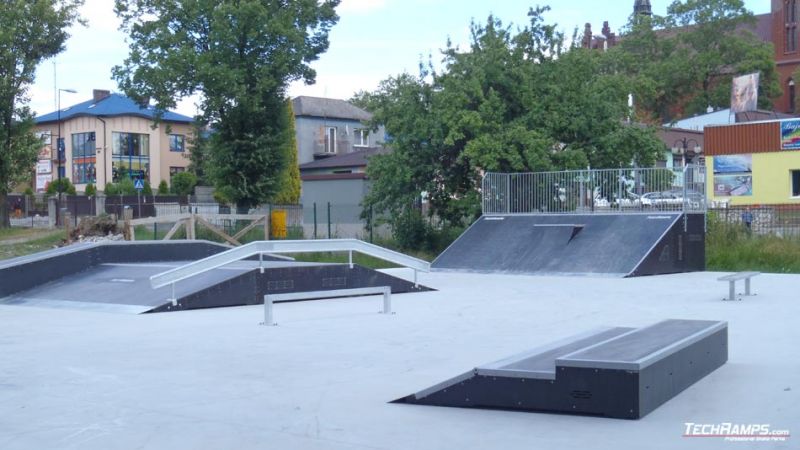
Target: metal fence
[595, 191]
[767, 220]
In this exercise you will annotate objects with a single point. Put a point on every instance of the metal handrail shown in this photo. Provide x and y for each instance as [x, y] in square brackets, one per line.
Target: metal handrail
[170, 277]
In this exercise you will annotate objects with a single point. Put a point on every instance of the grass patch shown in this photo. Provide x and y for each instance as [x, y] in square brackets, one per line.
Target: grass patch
[732, 248]
[740, 252]
[46, 242]
[17, 232]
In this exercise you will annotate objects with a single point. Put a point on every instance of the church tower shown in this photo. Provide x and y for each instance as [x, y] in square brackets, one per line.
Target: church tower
[642, 7]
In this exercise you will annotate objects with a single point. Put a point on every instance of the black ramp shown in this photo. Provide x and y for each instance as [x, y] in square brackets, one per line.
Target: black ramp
[611, 244]
[613, 372]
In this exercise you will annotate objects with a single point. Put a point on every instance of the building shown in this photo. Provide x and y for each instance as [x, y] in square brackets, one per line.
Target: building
[756, 163]
[327, 127]
[778, 27]
[109, 138]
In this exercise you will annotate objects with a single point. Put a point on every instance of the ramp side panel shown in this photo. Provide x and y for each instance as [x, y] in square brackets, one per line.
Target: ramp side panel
[607, 244]
[681, 249]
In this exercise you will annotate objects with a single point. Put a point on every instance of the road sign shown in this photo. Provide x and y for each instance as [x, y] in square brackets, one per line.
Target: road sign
[138, 184]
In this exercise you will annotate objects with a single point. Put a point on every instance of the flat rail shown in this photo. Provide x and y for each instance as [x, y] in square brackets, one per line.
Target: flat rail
[270, 299]
[259, 248]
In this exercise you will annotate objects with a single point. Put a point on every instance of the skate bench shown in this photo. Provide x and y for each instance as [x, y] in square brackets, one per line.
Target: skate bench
[733, 278]
[269, 299]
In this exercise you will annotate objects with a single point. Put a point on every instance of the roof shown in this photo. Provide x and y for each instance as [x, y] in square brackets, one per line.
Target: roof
[113, 105]
[763, 27]
[328, 107]
[355, 159]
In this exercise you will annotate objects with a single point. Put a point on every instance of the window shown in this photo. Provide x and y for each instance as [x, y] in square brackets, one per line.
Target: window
[173, 170]
[176, 143]
[83, 158]
[361, 137]
[795, 183]
[330, 140]
[790, 21]
[130, 156]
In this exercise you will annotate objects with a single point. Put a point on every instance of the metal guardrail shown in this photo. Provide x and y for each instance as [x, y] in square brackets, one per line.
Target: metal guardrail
[592, 191]
[173, 276]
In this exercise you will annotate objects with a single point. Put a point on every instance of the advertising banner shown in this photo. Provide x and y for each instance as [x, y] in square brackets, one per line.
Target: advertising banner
[790, 134]
[744, 93]
[733, 175]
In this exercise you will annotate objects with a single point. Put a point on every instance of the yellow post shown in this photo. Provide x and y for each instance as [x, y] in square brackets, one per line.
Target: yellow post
[278, 224]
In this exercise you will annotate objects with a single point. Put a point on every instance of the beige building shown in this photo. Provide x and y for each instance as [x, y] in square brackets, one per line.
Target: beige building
[109, 138]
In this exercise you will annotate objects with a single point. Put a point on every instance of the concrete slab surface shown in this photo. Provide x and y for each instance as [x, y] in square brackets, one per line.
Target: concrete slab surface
[322, 379]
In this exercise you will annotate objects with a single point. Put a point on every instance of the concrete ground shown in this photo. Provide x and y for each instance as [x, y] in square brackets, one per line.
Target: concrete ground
[322, 379]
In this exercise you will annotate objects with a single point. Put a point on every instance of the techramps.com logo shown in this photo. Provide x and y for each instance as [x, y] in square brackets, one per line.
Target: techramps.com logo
[735, 432]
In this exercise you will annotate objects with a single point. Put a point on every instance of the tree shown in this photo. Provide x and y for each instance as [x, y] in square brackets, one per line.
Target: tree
[510, 102]
[289, 192]
[30, 32]
[183, 183]
[684, 62]
[239, 55]
[163, 188]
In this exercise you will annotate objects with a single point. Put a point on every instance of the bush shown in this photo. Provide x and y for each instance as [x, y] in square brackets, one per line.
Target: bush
[111, 189]
[61, 185]
[126, 187]
[183, 183]
[147, 190]
[163, 188]
[90, 190]
[28, 191]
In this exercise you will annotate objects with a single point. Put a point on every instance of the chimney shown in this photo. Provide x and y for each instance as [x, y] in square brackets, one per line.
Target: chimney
[100, 94]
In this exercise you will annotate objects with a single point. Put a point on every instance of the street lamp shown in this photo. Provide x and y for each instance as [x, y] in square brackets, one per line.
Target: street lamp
[685, 146]
[61, 148]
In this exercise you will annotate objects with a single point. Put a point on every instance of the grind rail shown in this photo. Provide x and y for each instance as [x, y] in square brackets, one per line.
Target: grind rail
[170, 277]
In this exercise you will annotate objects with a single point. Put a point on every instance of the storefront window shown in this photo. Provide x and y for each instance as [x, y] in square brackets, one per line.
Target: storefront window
[131, 156]
[83, 158]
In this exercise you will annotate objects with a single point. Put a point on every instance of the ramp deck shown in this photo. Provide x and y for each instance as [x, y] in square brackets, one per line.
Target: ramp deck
[616, 245]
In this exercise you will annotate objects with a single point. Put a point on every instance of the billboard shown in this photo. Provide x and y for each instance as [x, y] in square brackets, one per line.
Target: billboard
[733, 175]
[790, 134]
[744, 93]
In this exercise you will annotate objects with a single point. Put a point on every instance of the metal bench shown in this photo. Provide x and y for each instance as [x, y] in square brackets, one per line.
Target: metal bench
[733, 278]
[269, 299]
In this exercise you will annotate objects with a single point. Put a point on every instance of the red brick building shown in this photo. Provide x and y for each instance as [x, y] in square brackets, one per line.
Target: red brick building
[780, 27]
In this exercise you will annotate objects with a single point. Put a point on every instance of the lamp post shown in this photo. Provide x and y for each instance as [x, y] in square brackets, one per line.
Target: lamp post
[685, 146]
[61, 148]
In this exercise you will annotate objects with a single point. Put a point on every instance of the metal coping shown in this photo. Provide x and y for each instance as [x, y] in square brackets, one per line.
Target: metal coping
[639, 364]
[81, 246]
[444, 384]
[296, 246]
[498, 368]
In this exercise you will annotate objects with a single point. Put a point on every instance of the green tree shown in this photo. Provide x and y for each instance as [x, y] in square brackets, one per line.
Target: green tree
[684, 62]
[510, 102]
[163, 188]
[183, 183]
[61, 185]
[239, 55]
[289, 193]
[30, 32]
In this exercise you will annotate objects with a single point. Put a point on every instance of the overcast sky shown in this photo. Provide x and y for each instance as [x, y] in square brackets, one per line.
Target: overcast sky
[374, 39]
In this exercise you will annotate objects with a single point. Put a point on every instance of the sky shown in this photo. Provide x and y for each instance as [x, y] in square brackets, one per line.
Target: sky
[374, 39]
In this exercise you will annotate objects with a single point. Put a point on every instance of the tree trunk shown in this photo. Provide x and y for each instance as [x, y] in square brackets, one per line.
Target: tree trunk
[5, 220]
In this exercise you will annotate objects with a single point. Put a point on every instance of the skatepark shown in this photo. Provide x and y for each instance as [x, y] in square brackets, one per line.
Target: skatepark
[597, 315]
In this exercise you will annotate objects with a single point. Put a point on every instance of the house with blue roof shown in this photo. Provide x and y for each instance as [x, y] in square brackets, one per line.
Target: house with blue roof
[109, 138]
